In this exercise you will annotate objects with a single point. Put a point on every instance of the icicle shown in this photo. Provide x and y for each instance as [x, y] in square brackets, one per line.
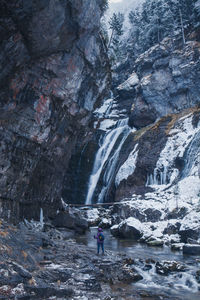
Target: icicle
[41, 218]
[148, 181]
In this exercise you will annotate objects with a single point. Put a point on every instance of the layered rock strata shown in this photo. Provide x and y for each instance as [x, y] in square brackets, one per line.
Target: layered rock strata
[53, 72]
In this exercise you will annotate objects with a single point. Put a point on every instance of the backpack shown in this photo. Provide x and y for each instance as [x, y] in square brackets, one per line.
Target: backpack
[101, 237]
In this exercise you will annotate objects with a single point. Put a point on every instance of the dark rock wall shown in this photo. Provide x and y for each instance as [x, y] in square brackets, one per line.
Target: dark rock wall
[53, 72]
[168, 82]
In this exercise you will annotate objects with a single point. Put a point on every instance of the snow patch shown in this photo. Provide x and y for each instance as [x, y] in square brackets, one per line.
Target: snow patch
[132, 81]
[107, 124]
[128, 167]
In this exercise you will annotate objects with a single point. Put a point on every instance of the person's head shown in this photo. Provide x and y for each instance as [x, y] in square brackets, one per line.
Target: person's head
[100, 229]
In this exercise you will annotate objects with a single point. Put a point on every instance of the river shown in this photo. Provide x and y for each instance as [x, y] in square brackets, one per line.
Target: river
[176, 285]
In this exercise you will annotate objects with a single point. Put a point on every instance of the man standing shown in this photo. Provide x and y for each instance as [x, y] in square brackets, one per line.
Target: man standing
[100, 240]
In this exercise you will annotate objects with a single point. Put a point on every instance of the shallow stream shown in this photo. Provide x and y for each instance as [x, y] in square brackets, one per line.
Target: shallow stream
[177, 285]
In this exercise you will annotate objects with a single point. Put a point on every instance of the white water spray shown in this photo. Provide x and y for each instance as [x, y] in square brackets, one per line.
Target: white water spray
[103, 154]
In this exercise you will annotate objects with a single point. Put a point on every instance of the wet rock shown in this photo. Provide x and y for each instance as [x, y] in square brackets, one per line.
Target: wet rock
[51, 291]
[92, 284]
[129, 275]
[72, 219]
[186, 233]
[178, 246]
[150, 261]
[192, 241]
[166, 267]
[147, 267]
[155, 243]
[198, 276]
[115, 230]
[21, 271]
[129, 261]
[191, 249]
[172, 228]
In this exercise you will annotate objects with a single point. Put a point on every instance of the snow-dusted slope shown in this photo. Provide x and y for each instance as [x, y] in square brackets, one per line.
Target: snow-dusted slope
[174, 190]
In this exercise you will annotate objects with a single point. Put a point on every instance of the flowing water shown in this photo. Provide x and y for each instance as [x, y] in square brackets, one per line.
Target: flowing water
[192, 156]
[113, 140]
[177, 285]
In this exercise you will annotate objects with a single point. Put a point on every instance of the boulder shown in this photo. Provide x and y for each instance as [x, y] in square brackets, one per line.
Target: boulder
[191, 249]
[131, 229]
[166, 267]
[72, 219]
[172, 228]
[178, 246]
[105, 223]
[129, 275]
[186, 233]
[115, 230]
[198, 276]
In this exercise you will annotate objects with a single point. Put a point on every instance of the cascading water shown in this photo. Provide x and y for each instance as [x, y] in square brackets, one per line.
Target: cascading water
[111, 165]
[104, 153]
[192, 156]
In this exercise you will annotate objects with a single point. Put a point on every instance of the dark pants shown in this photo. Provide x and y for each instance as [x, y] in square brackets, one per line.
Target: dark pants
[100, 245]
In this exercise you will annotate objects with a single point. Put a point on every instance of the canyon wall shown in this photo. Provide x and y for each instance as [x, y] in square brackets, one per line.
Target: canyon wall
[54, 71]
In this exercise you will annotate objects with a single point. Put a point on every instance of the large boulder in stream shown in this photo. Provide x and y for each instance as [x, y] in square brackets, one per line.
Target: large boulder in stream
[131, 228]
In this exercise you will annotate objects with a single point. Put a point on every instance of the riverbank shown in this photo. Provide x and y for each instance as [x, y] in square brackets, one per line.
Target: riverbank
[56, 264]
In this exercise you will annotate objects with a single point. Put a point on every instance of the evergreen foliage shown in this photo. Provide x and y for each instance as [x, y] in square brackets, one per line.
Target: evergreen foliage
[157, 19]
[114, 45]
[103, 5]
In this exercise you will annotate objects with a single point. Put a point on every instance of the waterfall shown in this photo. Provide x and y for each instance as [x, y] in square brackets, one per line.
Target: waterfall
[104, 153]
[192, 156]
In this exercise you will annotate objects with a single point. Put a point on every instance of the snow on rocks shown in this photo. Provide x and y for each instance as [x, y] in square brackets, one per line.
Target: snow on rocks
[128, 167]
[132, 81]
[93, 216]
[105, 223]
[178, 140]
[104, 109]
[130, 228]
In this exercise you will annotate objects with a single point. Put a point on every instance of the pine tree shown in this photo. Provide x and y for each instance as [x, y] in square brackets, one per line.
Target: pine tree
[103, 5]
[116, 26]
[158, 19]
[197, 7]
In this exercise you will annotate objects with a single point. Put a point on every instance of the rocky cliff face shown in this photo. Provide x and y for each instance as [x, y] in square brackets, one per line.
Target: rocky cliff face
[163, 81]
[163, 86]
[53, 72]
[159, 158]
